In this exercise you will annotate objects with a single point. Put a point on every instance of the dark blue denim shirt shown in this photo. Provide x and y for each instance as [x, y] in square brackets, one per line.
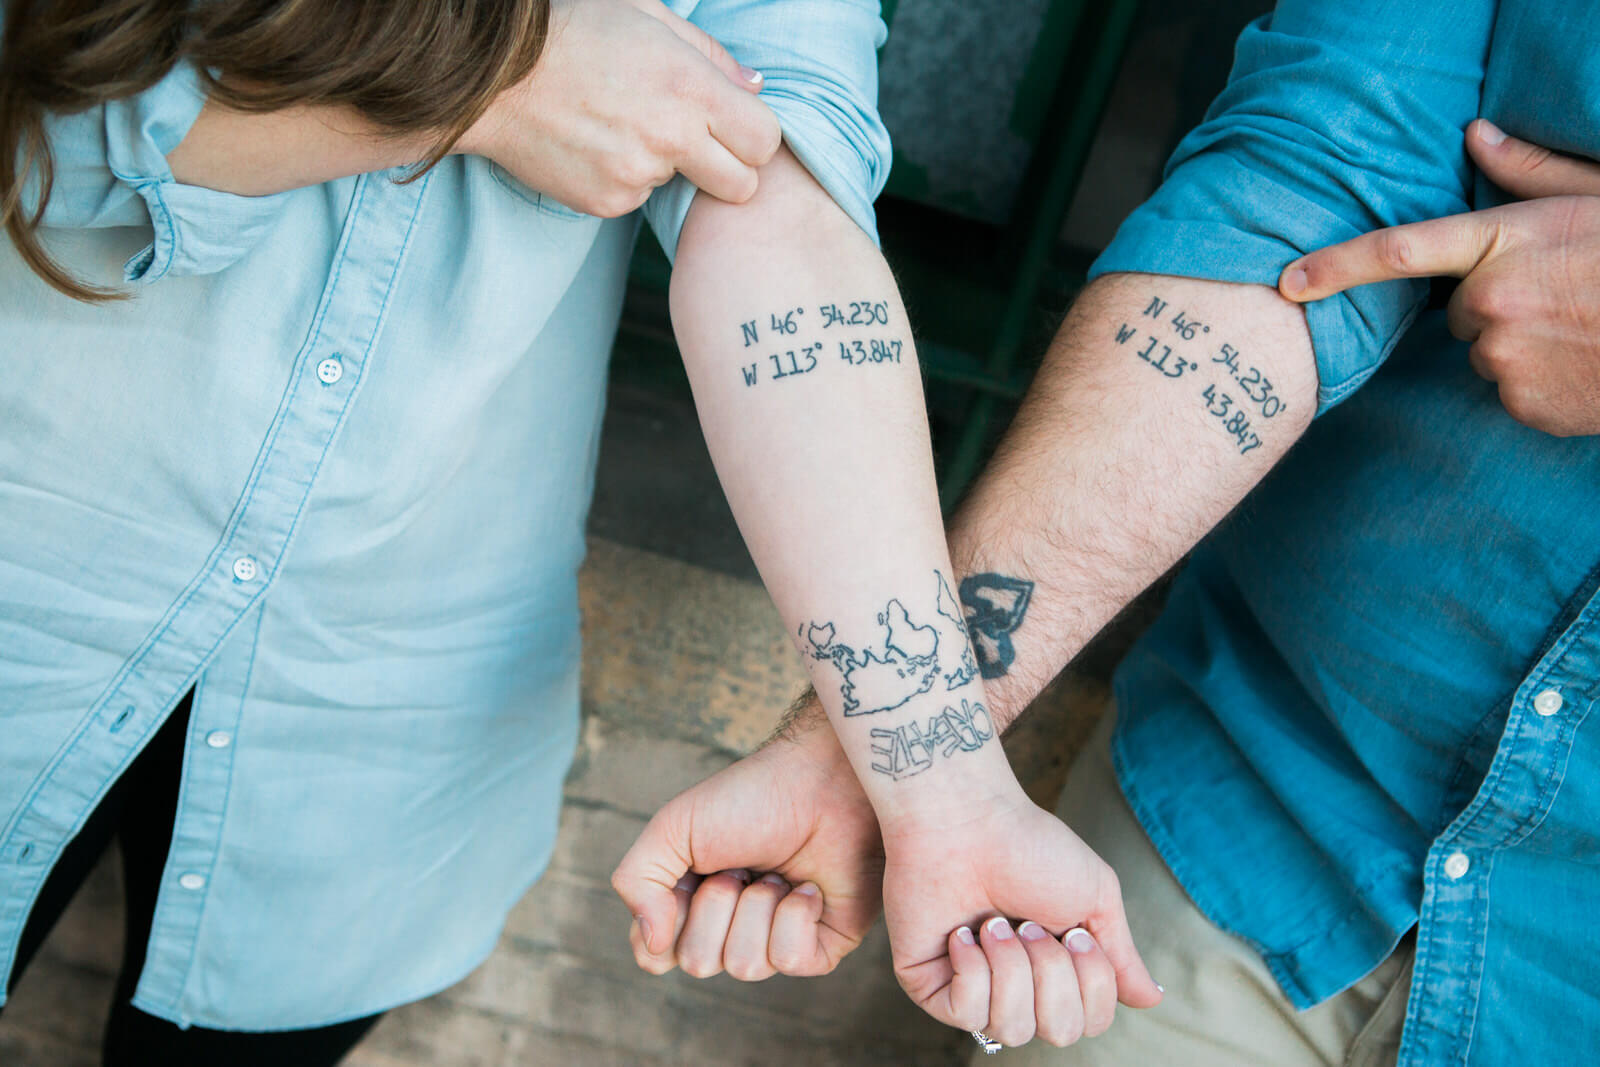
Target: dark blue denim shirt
[1366, 707]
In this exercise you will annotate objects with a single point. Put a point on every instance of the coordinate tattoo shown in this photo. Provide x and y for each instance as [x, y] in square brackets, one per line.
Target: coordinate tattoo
[798, 341]
[1236, 394]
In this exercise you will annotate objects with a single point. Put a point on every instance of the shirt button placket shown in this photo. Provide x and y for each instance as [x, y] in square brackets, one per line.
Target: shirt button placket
[1548, 702]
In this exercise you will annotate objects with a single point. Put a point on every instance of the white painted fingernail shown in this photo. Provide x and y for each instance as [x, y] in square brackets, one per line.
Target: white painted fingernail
[1160, 988]
[772, 878]
[808, 889]
[754, 77]
[1031, 931]
[999, 929]
[964, 935]
[1078, 940]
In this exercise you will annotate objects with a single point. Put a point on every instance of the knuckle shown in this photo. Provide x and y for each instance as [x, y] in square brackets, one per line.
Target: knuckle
[656, 966]
[1395, 252]
[1533, 157]
[696, 965]
[1061, 1033]
[749, 970]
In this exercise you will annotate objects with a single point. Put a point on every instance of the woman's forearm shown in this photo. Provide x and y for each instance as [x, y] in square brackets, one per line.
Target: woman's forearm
[806, 379]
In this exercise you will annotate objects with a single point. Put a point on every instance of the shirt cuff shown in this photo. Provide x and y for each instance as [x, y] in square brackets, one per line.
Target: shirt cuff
[195, 230]
[1189, 229]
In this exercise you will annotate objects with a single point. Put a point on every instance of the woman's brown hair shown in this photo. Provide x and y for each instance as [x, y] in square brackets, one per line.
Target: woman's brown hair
[409, 66]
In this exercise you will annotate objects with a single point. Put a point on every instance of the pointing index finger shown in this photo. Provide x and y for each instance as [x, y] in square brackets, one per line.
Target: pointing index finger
[1454, 245]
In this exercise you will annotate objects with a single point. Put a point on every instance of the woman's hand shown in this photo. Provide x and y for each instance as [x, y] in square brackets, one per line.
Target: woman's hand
[795, 810]
[949, 887]
[1529, 299]
[625, 95]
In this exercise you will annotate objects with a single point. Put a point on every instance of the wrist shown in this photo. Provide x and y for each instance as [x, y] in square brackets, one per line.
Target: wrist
[948, 800]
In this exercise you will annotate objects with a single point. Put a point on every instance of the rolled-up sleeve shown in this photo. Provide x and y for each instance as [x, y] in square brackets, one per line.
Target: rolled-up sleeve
[819, 59]
[1340, 117]
[111, 170]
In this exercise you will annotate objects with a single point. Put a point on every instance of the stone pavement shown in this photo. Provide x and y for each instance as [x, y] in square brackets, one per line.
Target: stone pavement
[685, 669]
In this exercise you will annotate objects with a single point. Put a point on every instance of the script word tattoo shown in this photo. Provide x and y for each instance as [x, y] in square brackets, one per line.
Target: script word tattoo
[1242, 413]
[845, 330]
[910, 749]
[905, 659]
[995, 605]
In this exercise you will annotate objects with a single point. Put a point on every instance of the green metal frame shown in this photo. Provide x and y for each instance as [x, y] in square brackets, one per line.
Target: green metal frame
[1092, 42]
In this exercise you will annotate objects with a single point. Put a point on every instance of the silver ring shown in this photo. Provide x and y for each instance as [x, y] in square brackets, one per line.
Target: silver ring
[989, 1045]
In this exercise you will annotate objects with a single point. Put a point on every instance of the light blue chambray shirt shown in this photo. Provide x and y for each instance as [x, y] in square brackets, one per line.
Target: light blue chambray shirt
[330, 467]
[1367, 705]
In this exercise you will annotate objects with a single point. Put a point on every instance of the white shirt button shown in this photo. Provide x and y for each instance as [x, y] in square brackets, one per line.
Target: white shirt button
[244, 569]
[1548, 702]
[219, 739]
[330, 370]
[1456, 865]
[192, 881]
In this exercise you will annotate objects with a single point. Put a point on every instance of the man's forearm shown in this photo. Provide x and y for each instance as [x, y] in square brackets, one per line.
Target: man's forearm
[1162, 402]
[807, 384]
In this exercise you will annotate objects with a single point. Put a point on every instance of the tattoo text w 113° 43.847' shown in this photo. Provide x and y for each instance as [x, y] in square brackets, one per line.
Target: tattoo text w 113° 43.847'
[1242, 419]
[836, 331]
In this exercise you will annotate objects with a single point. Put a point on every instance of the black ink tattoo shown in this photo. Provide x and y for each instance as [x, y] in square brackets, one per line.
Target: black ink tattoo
[909, 749]
[860, 313]
[913, 656]
[995, 605]
[799, 354]
[1231, 416]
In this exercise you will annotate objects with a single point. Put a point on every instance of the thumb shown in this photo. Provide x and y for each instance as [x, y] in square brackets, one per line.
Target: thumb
[1528, 171]
[1135, 987]
[652, 881]
[707, 46]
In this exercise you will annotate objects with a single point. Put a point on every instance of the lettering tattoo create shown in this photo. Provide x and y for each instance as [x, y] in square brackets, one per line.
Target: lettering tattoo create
[846, 325]
[909, 749]
[1245, 419]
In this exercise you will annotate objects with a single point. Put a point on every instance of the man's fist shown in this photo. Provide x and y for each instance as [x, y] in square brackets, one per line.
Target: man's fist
[1529, 300]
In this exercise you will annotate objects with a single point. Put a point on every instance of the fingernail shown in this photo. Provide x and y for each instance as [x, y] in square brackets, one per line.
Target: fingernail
[644, 930]
[1078, 940]
[1489, 133]
[742, 875]
[1294, 280]
[772, 878]
[964, 935]
[808, 889]
[754, 77]
[999, 929]
[1160, 988]
[1031, 931]
[687, 883]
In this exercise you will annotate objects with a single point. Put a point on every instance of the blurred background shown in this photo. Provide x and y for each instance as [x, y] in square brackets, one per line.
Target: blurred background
[1024, 132]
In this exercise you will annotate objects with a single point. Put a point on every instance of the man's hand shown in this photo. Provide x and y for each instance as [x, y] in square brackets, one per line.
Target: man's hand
[1057, 976]
[625, 95]
[1530, 297]
[793, 809]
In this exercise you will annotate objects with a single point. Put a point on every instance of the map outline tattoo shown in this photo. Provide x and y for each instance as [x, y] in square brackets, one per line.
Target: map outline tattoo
[910, 659]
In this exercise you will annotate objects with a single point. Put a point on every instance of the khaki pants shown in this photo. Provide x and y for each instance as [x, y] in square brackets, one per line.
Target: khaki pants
[1222, 1007]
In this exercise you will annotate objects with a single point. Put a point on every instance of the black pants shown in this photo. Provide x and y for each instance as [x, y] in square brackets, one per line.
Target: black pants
[138, 814]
